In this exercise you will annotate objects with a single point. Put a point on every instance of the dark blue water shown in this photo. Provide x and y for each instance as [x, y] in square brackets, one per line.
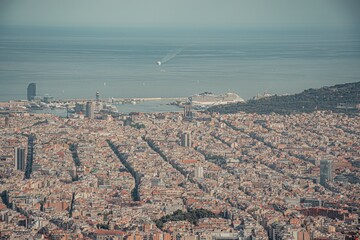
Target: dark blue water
[75, 63]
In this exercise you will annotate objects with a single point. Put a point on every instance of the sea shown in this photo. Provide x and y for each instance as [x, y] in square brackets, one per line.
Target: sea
[75, 63]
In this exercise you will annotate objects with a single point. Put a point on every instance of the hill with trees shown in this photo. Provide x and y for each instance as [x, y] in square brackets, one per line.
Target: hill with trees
[339, 98]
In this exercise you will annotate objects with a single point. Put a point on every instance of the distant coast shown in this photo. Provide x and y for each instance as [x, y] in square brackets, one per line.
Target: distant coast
[338, 98]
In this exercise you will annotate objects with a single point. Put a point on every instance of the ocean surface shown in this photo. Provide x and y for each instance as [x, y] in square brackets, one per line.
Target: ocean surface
[76, 63]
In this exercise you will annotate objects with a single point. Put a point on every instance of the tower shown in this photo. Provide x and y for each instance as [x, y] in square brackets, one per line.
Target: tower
[326, 168]
[187, 111]
[31, 91]
[97, 96]
[7, 121]
[19, 158]
[98, 105]
[90, 110]
[186, 139]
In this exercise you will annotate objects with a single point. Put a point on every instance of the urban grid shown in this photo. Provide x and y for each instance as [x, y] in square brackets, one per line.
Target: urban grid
[178, 175]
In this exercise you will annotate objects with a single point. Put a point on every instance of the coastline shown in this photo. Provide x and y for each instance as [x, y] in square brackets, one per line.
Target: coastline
[145, 105]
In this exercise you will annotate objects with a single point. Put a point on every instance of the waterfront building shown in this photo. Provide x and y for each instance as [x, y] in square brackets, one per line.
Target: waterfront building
[48, 99]
[79, 108]
[98, 105]
[31, 91]
[187, 111]
[97, 97]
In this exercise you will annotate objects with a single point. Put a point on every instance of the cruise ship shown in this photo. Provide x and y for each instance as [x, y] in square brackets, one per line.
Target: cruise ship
[210, 99]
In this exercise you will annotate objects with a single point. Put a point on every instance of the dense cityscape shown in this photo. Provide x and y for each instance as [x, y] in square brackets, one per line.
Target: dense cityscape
[179, 120]
[178, 175]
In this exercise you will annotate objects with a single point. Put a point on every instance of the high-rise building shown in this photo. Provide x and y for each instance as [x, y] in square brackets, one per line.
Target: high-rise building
[98, 105]
[199, 172]
[326, 171]
[19, 158]
[48, 98]
[97, 97]
[186, 139]
[7, 121]
[187, 111]
[79, 107]
[31, 91]
[90, 110]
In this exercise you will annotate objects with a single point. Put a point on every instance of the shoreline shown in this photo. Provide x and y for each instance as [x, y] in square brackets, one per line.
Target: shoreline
[122, 105]
[102, 100]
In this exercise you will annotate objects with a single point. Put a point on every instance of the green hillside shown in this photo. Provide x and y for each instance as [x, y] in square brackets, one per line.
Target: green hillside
[338, 98]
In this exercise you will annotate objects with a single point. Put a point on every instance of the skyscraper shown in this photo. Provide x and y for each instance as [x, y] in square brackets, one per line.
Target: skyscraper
[90, 110]
[31, 91]
[19, 158]
[98, 105]
[326, 169]
[186, 139]
[97, 96]
[187, 111]
[7, 121]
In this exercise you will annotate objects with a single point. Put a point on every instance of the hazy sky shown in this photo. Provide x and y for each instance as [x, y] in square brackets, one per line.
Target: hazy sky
[183, 13]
